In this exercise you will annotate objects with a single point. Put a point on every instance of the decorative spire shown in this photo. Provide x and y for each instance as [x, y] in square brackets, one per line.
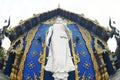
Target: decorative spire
[58, 5]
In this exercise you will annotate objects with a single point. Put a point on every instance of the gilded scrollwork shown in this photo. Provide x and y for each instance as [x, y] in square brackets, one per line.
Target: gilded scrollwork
[29, 39]
[86, 36]
[42, 59]
[98, 47]
[76, 58]
[35, 77]
[83, 76]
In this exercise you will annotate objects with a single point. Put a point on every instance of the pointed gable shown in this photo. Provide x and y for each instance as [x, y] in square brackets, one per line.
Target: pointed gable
[86, 23]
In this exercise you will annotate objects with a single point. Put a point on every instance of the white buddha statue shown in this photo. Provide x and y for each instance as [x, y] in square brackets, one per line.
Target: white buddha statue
[59, 58]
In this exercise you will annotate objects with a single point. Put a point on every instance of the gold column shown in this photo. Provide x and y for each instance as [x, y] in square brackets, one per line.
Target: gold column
[15, 68]
[103, 68]
[41, 60]
[17, 53]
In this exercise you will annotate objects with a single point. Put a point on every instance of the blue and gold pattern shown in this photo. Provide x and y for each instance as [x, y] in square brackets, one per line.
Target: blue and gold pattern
[28, 77]
[29, 38]
[35, 55]
[86, 65]
[88, 40]
[33, 67]
[28, 52]
[83, 52]
[89, 77]
[31, 64]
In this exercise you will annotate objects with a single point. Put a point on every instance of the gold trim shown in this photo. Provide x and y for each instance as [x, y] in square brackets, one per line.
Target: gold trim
[83, 76]
[75, 58]
[98, 47]
[13, 51]
[29, 39]
[35, 76]
[17, 53]
[87, 38]
[42, 59]
[19, 47]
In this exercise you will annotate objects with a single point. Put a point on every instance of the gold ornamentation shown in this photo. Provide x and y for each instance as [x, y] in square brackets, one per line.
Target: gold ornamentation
[96, 22]
[87, 38]
[98, 47]
[28, 77]
[34, 53]
[31, 65]
[29, 39]
[75, 58]
[19, 47]
[17, 53]
[83, 76]
[83, 53]
[35, 77]
[42, 59]
[89, 77]
[13, 75]
[86, 65]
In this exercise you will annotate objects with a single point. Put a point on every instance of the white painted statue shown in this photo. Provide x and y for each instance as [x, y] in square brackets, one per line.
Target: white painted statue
[59, 58]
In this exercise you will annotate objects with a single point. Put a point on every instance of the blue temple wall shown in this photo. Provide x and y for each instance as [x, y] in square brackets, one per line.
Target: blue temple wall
[11, 56]
[33, 67]
[82, 50]
[36, 48]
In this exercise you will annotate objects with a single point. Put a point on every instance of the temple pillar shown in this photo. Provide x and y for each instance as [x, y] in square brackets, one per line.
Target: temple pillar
[102, 68]
[15, 66]
[108, 63]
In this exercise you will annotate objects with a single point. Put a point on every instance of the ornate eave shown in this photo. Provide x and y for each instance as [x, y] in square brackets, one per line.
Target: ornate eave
[88, 45]
[90, 25]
